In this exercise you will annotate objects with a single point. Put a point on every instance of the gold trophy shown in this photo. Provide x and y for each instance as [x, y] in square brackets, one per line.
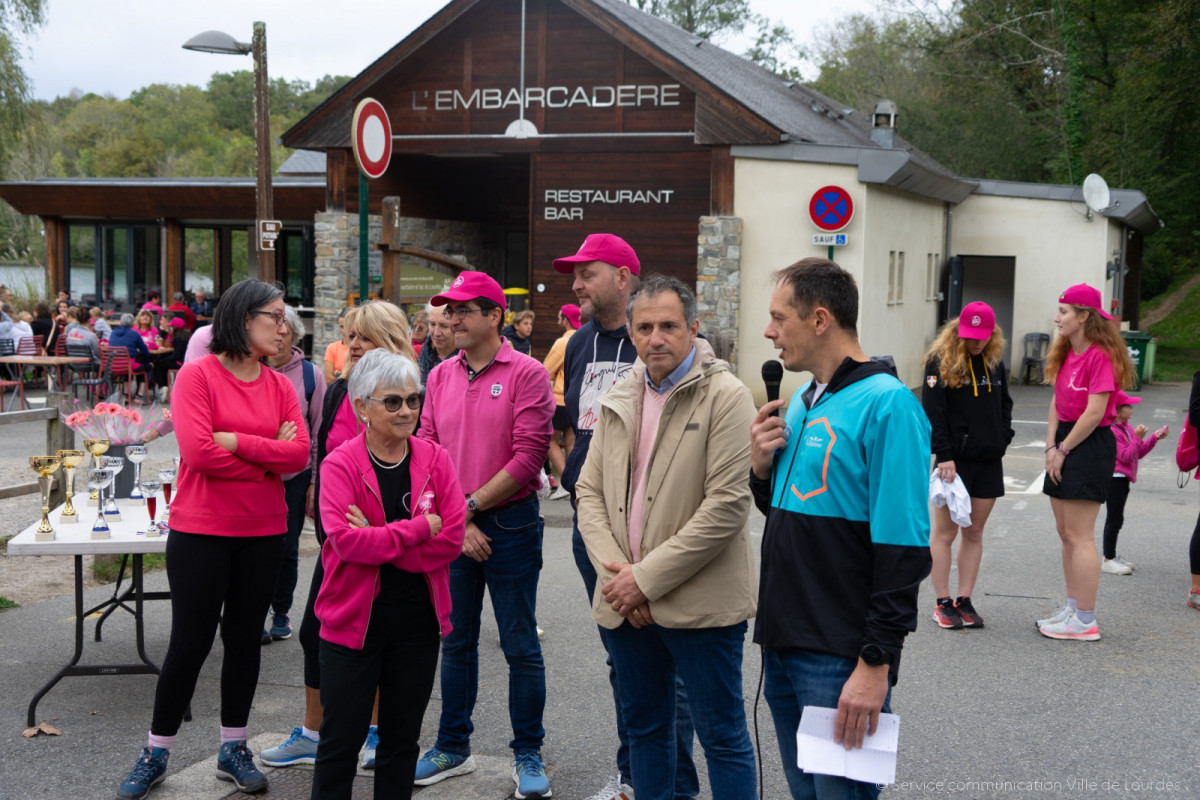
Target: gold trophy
[97, 447]
[70, 460]
[44, 466]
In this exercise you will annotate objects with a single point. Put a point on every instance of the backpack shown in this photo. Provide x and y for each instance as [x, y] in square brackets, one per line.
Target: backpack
[1187, 452]
[310, 382]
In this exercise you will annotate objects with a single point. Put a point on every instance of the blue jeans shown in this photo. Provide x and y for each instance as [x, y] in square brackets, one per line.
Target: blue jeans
[794, 679]
[687, 782]
[510, 576]
[709, 660]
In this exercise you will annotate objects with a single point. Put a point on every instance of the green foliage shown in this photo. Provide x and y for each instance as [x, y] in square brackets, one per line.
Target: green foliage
[104, 569]
[708, 19]
[6, 604]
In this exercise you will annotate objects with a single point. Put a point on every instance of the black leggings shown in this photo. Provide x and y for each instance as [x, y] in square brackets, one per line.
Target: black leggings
[1118, 492]
[310, 630]
[215, 579]
[1194, 549]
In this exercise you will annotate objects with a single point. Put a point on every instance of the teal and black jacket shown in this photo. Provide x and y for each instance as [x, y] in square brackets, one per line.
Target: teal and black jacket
[846, 544]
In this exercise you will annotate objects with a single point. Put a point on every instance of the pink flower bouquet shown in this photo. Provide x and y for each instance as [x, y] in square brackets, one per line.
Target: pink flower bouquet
[112, 421]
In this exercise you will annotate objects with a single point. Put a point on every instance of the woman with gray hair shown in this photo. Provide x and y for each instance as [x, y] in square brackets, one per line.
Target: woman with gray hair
[126, 337]
[394, 516]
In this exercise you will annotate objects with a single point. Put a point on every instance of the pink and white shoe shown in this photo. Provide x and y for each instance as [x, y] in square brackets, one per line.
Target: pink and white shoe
[1194, 599]
[1071, 628]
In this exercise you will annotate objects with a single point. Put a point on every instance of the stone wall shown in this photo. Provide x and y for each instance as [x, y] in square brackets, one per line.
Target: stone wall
[718, 283]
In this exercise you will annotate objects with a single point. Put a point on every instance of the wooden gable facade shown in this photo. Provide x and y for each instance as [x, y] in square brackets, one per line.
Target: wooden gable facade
[627, 141]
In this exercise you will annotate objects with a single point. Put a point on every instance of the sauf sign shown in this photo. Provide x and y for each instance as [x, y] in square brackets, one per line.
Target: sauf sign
[496, 98]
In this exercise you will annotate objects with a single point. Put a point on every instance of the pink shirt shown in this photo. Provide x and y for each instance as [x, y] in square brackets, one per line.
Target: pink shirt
[345, 426]
[240, 493]
[1090, 372]
[500, 420]
[653, 404]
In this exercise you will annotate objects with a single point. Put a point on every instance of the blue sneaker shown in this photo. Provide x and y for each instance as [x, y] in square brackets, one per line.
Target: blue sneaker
[368, 754]
[298, 749]
[281, 627]
[235, 763]
[148, 772]
[530, 777]
[437, 765]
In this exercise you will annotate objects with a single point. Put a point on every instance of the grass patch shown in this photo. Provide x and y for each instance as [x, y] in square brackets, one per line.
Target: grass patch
[105, 569]
[1176, 361]
[4, 543]
[1178, 340]
[6, 604]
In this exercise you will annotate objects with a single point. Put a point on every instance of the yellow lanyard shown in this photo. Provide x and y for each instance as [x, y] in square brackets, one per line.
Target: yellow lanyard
[974, 385]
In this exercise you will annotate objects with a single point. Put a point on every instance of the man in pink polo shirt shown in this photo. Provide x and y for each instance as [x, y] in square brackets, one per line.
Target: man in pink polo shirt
[491, 408]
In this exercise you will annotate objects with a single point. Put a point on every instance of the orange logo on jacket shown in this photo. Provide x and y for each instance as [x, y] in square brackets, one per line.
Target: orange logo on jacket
[816, 439]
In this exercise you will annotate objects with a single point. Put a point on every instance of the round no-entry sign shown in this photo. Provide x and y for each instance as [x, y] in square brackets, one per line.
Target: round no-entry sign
[831, 208]
[371, 137]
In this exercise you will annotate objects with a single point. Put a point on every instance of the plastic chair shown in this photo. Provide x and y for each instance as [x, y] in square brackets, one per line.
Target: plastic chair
[88, 375]
[1036, 345]
[123, 369]
[18, 388]
[32, 346]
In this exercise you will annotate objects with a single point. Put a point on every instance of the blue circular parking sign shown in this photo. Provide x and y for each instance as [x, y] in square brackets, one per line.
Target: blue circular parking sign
[831, 208]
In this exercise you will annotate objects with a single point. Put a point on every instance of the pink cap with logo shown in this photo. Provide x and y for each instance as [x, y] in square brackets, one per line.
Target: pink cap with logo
[977, 321]
[572, 313]
[606, 247]
[1123, 399]
[470, 285]
[1083, 295]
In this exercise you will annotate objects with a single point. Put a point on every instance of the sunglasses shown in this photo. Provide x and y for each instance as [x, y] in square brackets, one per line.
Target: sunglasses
[393, 402]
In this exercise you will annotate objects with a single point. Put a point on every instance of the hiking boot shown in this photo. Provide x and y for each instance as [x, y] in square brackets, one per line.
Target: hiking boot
[235, 763]
[970, 617]
[367, 760]
[615, 789]
[530, 776]
[437, 765]
[1072, 628]
[298, 749]
[1115, 566]
[946, 615]
[148, 772]
[281, 627]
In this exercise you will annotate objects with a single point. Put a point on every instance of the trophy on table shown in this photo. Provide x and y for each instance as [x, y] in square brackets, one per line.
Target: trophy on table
[98, 480]
[150, 489]
[70, 460]
[97, 447]
[44, 466]
[116, 464]
[167, 476]
[136, 454]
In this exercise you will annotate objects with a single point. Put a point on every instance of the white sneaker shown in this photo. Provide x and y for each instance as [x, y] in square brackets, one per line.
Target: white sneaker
[1072, 628]
[1057, 616]
[614, 790]
[1115, 566]
[559, 494]
[1125, 561]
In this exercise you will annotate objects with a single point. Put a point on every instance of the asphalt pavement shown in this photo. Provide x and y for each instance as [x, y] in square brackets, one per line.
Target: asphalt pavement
[998, 712]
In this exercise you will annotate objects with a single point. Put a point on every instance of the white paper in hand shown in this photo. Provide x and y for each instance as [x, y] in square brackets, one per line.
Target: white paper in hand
[874, 762]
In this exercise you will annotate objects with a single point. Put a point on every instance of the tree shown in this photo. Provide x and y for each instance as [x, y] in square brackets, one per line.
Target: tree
[17, 17]
[708, 19]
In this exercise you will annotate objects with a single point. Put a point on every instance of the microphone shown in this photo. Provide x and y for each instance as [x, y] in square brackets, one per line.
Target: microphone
[772, 374]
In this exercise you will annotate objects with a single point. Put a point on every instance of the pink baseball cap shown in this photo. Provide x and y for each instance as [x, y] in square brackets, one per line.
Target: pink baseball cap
[977, 321]
[177, 322]
[571, 312]
[606, 247]
[470, 285]
[1083, 295]
[1125, 400]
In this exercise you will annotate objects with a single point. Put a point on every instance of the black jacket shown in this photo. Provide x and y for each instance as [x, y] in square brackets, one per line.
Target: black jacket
[972, 422]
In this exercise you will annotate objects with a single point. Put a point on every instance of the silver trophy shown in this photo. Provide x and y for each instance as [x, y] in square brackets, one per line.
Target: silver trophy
[109, 504]
[99, 479]
[167, 476]
[136, 454]
[150, 489]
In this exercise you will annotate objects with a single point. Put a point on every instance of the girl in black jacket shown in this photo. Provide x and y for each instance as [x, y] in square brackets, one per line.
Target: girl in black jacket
[966, 399]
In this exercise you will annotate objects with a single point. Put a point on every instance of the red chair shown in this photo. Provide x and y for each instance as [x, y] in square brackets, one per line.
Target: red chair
[18, 388]
[123, 368]
[32, 346]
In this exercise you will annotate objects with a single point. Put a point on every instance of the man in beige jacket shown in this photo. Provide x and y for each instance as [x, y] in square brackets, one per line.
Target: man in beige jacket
[664, 512]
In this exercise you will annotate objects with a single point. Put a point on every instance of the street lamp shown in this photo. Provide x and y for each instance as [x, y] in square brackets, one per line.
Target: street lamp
[218, 42]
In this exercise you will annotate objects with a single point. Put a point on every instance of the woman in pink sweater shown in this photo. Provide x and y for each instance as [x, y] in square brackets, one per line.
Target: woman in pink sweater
[239, 429]
[1132, 446]
[394, 516]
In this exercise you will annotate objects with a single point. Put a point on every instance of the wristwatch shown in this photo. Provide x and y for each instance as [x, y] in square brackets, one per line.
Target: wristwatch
[875, 656]
[472, 504]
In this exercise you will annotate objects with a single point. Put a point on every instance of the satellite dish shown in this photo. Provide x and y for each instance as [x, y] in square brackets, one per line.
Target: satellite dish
[1096, 194]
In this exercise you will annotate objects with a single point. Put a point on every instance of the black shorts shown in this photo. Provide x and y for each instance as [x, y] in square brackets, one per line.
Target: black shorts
[1087, 471]
[561, 420]
[983, 479]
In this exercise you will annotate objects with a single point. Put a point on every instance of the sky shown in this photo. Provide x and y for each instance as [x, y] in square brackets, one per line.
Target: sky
[109, 53]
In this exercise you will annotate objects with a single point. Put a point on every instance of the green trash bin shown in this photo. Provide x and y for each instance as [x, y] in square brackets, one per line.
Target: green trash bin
[1139, 345]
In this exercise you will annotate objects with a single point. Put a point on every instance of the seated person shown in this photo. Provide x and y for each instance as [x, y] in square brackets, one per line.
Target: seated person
[78, 333]
[124, 336]
[100, 325]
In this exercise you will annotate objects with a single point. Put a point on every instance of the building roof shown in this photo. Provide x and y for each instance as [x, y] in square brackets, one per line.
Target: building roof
[1129, 206]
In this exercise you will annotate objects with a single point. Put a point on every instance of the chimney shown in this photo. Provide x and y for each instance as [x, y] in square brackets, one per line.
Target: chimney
[883, 124]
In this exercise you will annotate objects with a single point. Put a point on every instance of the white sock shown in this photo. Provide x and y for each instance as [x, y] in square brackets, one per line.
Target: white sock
[310, 734]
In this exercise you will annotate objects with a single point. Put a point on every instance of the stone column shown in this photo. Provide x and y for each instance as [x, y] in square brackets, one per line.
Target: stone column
[718, 283]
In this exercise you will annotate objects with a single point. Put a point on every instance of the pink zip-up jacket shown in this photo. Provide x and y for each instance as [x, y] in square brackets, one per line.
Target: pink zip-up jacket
[352, 556]
[1130, 449]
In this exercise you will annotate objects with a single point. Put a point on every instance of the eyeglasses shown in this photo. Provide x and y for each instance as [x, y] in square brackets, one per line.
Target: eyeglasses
[279, 316]
[462, 311]
[393, 402]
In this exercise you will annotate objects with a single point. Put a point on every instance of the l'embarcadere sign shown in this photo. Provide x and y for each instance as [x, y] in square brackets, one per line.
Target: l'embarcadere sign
[496, 98]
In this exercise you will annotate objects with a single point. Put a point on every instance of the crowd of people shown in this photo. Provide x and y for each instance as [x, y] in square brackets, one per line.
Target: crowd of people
[420, 451]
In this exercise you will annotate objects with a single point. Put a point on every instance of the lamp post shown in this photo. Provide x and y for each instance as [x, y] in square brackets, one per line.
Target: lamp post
[218, 42]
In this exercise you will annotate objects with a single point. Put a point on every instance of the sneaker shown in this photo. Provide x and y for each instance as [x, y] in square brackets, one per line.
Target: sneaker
[235, 763]
[530, 776]
[148, 772]
[266, 637]
[615, 789]
[944, 614]
[368, 754]
[1125, 561]
[1056, 617]
[1072, 628]
[437, 765]
[1115, 566]
[1194, 599]
[970, 617]
[298, 749]
[281, 627]
[559, 494]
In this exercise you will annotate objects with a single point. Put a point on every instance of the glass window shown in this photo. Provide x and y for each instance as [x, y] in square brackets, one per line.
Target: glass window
[241, 254]
[81, 262]
[292, 244]
[115, 264]
[144, 262]
[199, 259]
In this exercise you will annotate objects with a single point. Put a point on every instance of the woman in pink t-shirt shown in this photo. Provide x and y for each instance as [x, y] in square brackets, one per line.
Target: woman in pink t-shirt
[1088, 363]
